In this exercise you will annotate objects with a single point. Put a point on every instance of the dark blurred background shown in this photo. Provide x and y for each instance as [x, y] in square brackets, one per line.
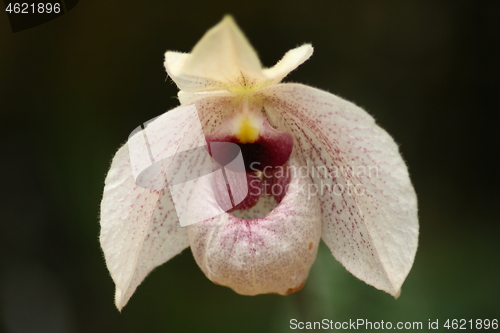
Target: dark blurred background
[74, 88]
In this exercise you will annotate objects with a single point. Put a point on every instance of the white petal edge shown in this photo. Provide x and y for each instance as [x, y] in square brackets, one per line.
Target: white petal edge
[174, 61]
[291, 60]
[139, 227]
[374, 235]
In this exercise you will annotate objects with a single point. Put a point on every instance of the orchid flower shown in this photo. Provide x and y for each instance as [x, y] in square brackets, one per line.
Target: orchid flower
[355, 192]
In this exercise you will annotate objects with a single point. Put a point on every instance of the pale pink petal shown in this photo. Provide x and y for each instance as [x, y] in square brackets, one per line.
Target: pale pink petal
[372, 233]
[271, 254]
[139, 226]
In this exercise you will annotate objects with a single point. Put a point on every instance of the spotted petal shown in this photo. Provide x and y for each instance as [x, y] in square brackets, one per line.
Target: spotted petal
[139, 226]
[372, 231]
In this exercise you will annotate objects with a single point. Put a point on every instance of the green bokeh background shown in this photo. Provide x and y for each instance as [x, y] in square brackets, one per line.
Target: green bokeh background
[74, 88]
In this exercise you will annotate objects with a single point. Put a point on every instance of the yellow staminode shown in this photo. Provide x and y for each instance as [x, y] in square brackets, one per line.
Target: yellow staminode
[247, 131]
